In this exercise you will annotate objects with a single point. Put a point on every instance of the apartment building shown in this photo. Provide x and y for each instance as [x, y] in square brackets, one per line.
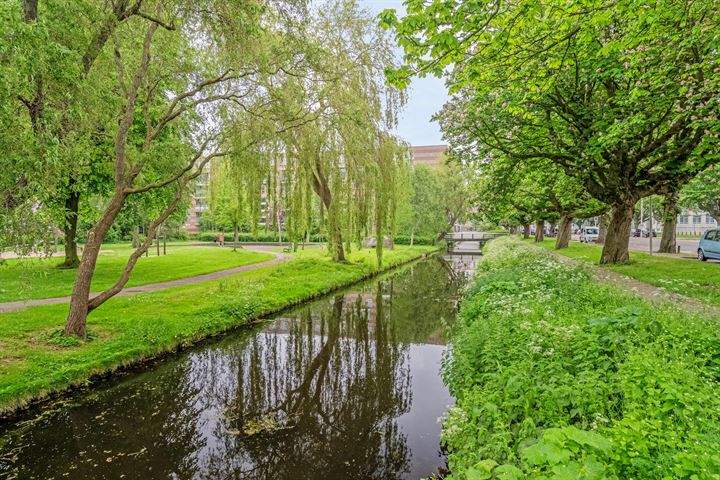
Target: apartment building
[430, 155]
[691, 222]
[199, 201]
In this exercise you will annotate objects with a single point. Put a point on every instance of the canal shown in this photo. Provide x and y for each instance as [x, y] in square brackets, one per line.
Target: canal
[345, 387]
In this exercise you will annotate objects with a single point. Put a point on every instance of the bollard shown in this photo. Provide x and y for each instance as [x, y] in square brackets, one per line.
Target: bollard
[678, 249]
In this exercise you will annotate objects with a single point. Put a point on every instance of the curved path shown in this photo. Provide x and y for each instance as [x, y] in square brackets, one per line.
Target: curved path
[153, 287]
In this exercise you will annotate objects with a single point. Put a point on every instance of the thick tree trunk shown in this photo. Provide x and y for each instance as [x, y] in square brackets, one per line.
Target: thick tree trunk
[715, 213]
[671, 210]
[564, 232]
[320, 185]
[452, 220]
[540, 230]
[339, 248]
[30, 9]
[76, 323]
[603, 228]
[617, 241]
[72, 206]
[526, 231]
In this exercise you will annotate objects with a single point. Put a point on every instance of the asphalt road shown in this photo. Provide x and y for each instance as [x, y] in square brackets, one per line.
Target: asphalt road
[643, 244]
[637, 244]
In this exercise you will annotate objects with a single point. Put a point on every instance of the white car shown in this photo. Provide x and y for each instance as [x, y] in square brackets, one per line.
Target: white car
[589, 234]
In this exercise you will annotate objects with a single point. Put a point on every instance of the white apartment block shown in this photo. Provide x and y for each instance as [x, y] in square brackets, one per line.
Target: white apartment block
[694, 223]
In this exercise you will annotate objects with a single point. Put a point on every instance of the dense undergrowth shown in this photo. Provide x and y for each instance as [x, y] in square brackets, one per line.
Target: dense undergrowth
[559, 377]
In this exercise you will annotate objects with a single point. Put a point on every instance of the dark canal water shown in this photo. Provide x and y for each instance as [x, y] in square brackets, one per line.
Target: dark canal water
[346, 387]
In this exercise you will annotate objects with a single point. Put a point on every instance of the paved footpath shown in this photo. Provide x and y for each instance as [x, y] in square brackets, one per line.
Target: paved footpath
[154, 287]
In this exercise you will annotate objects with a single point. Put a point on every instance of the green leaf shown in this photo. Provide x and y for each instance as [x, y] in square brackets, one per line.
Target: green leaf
[590, 439]
[508, 472]
[545, 453]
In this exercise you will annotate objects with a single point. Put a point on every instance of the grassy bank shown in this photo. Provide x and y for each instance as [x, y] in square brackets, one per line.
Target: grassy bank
[36, 360]
[31, 278]
[691, 278]
[559, 377]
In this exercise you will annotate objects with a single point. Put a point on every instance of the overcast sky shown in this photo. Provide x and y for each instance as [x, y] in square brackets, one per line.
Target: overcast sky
[426, 96]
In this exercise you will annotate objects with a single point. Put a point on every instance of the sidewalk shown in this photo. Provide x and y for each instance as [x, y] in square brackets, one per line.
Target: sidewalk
[153, 287]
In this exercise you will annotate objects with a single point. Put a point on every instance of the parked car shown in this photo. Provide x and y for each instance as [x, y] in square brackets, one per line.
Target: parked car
[642, 232]
[645, 233]
[709, 246]
[589, 234]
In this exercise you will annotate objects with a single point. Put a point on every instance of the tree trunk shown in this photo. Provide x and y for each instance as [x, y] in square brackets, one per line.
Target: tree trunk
[320, 185]
[235, 236]
[30, 9]
[340, 249]
[72, 206]
[526, 231]
[670, 213]
[617, 241]
[540, 231]
[412, 238]
[76, 323]
[564, 232]
[603, 228]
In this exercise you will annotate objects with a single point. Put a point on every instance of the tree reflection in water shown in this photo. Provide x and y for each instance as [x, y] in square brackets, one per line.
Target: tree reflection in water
[315, 394]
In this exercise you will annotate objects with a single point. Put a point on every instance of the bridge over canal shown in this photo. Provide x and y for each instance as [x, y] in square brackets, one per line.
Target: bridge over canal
[469, 243]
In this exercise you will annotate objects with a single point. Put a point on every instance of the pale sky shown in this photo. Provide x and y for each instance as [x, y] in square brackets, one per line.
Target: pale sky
[426, 95]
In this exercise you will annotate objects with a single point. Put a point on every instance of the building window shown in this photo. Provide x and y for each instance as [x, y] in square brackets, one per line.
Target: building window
[697, 218]
[684, 219]
[709, 220]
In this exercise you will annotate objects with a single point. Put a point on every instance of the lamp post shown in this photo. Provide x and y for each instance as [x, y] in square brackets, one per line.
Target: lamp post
[650, 228]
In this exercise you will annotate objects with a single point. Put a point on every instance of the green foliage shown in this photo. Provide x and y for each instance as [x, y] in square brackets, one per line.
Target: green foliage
[425, 212]
[250, 237]
[621, 96]
[703, 193]
[559, 377]
[416, 240]
[329, 159]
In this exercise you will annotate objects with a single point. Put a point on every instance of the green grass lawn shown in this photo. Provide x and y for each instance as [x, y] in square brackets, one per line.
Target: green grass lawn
[687, 277]
[35, 359]
[32, 278]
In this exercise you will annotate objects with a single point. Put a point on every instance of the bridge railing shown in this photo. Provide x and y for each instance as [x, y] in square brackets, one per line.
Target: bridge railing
[472, 236]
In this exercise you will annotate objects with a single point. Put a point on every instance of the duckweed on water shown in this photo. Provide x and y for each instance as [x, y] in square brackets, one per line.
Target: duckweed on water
[559, 377]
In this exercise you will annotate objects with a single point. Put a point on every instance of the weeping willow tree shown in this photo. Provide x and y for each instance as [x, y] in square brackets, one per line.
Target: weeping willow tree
[236, 189]
[343, 152]
[327, 158]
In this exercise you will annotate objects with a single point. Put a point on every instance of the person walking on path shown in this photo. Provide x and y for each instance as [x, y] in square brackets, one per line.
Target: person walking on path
[222, 239]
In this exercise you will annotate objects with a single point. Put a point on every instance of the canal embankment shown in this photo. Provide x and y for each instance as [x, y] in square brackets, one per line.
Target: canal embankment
[559, 375]
[37, 361]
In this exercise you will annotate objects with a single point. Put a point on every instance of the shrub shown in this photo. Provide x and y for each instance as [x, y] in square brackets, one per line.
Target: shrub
[558, 376]
[418, 240]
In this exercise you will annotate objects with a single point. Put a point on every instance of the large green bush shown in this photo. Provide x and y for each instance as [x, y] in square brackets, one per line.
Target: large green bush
[560, 377]
[417, 240]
